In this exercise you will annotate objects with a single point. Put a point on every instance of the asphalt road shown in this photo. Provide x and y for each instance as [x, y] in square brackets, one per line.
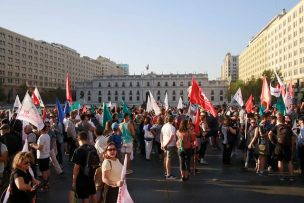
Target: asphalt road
[213, 183]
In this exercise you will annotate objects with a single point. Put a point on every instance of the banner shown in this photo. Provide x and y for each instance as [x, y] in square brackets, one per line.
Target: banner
[238, 97]
[123, 193]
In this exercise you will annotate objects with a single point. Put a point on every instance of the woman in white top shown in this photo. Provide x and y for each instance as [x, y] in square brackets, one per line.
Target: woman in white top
[111, 172]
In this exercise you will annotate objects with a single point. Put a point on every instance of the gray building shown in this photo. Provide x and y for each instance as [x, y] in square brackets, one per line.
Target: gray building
[134, 88]
[230, 68]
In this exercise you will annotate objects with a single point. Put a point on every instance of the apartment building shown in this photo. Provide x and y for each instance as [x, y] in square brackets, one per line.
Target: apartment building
[279, 45]
[38, 63]
[230, 68]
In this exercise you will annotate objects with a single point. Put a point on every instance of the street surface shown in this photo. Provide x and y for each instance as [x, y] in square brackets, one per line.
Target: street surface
[213, 183]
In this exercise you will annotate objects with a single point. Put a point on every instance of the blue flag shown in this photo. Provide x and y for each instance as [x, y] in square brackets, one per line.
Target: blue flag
[67, 108]
[59, 111]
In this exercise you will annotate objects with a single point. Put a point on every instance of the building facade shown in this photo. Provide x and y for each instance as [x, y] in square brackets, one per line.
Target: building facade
[37, 63]
[134, 88]
[230, 68]
[279, 45]
[125, 67]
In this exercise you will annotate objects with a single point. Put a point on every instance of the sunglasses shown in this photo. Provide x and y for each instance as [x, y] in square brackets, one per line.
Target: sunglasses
[111, 149]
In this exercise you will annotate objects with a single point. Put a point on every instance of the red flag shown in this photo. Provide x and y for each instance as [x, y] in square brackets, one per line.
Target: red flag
[44, 114]
[35, 99]
[84, 109]
[265, 94]
[197, 122]
[68, 89]
[249, 104]
[194, 93]
[290, 90]
[197, 96]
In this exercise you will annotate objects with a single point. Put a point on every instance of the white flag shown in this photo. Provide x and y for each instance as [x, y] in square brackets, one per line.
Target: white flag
[123, 193]
[275, 91]
[29, 113]
[154, 105]
[149, 105]
[36, 92]
[17, 103]
[238, 97]
[278, 78]
[166, 103]
[180, 103]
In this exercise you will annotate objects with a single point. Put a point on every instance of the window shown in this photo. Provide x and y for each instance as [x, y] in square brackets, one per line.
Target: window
[212, 92]
[158, 98]
[137, 98]
[173, 84]
[212, 98]
[130, 98]
[137, 93]
[221, 98]
[116, 93]
[181, 92]
[99, 92]
[109, 98]
[123, 92]
[189, 83]
[130, 84]
[116, 98]
[89, 98]
[166, 84]
[181, 84]
[158, 92]
[116, 84]
[89, 92]
[109, 84]
[221, 92]
[99, 85]
[173, 98]
[130, 92]
[109, 92]
[123, 84]
[137, 84]
[200, 83]
[148, 84]
[99, 100]
[158, 84]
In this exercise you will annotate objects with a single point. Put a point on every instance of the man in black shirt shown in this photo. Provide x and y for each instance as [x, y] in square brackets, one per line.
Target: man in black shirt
[83, 185]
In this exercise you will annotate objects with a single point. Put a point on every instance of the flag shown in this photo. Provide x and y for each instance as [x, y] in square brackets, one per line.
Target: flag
[59, 111]
[125, 108]
[147, 67]
[84, 109]
[275, 91]
[280, 106]
[261, 110]
[35, 99]
[194, 93]
[75, 106]
[123, 193]
[154, 105]
[66, 108]
[166, 103]
[68, 89]
[278, 78]
[17, 103]
[29, 113]
[197, 121]
[180, 103]
[37, 94]
[149, 105]
[44, 114]
[249, 104]
[238, 97]
[265, 94]
[290, 90]
[106, 115]
[92, 109]
[197, 96]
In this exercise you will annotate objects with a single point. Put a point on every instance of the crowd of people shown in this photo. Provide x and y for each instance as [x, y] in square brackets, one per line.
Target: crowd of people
[268, 141]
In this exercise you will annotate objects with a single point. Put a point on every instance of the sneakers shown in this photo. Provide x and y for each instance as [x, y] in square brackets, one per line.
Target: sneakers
[129, 172]
[170, 177]
[203, 162]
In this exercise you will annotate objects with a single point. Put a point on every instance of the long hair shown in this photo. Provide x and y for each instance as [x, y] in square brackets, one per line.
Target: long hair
[105, 155]
[183, 127]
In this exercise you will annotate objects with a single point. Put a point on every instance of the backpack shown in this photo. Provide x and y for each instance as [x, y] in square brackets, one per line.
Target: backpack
[284, 134]
[92, 161]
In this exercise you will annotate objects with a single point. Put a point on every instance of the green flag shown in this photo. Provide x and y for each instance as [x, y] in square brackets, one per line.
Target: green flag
[125, 108]
[280, 105]
[92, 109]
[106, 115]
[75, 106]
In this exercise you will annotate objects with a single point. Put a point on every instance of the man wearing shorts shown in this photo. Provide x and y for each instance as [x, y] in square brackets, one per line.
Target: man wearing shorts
[43, 155]
[127, 134]
[168, 144]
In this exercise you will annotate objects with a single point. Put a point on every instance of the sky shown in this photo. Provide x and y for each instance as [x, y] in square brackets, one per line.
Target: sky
[172, 36]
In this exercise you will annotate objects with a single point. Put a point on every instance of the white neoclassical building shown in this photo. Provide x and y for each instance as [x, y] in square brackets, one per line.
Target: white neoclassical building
[134, 88]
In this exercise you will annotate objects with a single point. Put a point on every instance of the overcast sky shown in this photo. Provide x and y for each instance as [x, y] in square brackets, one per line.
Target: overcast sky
[172, 36]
